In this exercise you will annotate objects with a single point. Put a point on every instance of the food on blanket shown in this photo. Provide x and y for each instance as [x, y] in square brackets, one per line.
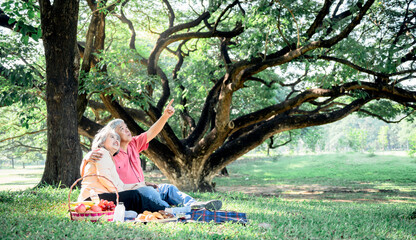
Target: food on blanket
[150, 217]
[141, 217]
[158, 215]
[80, 208]
[166, 214]
[96, 208]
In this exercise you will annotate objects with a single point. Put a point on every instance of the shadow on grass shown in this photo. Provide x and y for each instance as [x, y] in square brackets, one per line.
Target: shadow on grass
[316, 192]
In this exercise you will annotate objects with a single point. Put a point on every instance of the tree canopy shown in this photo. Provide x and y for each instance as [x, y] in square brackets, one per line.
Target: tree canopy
[240, 71]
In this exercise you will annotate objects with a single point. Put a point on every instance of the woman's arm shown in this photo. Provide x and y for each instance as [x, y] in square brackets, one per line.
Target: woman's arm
[105, 167]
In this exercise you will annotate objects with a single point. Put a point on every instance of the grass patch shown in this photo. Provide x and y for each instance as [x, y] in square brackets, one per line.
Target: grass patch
[42, 214]
[20, 178]
[330, 169]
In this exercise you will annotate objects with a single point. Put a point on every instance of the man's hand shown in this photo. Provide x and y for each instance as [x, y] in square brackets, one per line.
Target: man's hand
[95, 156]
[150, 184]
[169, 110]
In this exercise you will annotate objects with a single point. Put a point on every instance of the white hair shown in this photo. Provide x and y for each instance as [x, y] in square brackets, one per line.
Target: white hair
[114, 123]
[101, 136]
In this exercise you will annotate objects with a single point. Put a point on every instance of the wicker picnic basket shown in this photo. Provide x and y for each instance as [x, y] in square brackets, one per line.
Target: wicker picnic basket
[91, 216]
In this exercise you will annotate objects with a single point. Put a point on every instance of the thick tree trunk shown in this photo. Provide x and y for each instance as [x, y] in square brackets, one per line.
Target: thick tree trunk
[189, 177]
[59, 25]
[143, 163]
[191, 180]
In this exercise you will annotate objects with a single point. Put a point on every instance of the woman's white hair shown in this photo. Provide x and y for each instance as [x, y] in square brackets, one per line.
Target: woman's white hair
[101, 136]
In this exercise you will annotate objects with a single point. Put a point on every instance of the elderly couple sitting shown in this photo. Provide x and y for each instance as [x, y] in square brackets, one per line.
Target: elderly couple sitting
[115, 155]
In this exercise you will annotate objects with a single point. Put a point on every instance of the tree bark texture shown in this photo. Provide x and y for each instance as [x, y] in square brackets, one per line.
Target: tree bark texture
[59, 28]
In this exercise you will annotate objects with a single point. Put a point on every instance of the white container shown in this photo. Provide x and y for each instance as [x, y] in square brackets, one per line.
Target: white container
[94, 197]
[119, 212]
[179, 210]
[130, 214]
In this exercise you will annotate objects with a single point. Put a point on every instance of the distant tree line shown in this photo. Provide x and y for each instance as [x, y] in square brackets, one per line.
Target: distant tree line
[350, 134]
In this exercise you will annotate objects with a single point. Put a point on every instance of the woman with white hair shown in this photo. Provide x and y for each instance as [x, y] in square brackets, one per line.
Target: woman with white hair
[107, 142]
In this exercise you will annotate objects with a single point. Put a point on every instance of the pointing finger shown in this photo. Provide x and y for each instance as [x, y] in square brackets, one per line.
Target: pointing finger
[170, 103]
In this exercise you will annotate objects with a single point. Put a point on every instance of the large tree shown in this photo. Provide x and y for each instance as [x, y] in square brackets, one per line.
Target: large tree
[241, 72]
[58, 28]
[59, 34]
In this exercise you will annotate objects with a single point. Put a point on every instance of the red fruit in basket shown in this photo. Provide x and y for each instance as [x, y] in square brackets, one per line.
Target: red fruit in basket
[80, 208]
[96, 208]
[102, 203]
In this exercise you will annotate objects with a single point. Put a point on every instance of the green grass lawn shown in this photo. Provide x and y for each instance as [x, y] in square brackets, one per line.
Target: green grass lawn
[355, 196]
[20, 178]
[346, 176]
[330, 169]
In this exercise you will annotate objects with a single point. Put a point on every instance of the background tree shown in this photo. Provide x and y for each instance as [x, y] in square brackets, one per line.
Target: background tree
[356, 139]
[383, 137]
[312, 137]
[241, 72]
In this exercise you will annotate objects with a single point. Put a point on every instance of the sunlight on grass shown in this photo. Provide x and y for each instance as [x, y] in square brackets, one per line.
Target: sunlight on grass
[20, 178]
[298, 165]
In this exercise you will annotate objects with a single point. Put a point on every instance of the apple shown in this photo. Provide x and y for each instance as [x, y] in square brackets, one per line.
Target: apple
[80, 208]
[96, 208]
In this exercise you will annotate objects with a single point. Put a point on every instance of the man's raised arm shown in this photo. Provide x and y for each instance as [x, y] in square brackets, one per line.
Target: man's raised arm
[155, 129]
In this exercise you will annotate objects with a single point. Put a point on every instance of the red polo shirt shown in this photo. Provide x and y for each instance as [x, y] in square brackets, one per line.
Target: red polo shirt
[128, 163]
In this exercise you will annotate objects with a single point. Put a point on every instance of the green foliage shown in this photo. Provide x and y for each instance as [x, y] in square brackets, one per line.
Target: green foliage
[123, 72]
[356, 139]
[311, 136]
[386, 108]
[26, 17]
[23, 133]
[17, 86]
[19, 82]
[383, 137]
[412, 143]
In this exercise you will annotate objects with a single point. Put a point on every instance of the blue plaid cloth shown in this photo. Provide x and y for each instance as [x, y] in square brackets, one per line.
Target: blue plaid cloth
[203, 215]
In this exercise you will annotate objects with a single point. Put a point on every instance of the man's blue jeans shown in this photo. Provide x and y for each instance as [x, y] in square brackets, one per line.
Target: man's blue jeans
[166, 195]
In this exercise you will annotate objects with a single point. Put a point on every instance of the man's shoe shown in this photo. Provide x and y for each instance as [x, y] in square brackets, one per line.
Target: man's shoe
[211, 205]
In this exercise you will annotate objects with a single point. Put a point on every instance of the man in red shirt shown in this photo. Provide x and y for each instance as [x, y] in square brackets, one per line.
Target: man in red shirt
[128, 165]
